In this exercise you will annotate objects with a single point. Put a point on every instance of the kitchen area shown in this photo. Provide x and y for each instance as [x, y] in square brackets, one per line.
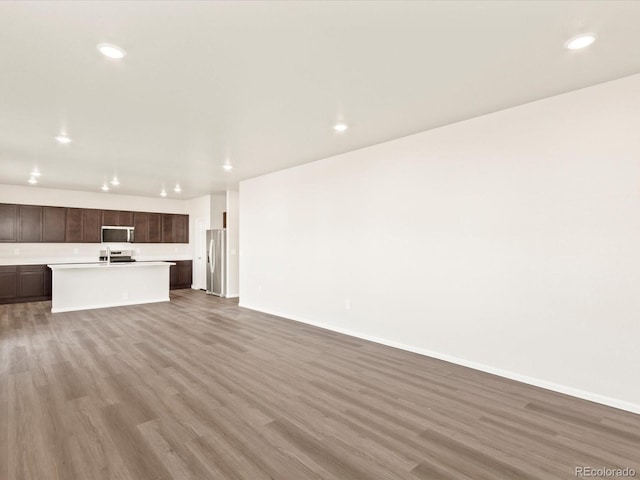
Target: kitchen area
[85, 258]
[43, 229]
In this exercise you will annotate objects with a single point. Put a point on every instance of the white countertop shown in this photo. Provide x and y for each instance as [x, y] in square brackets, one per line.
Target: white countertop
[83, 260]
[67, 266]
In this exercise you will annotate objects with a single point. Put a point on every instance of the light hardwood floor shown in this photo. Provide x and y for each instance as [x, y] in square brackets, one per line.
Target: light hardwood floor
[200, 388]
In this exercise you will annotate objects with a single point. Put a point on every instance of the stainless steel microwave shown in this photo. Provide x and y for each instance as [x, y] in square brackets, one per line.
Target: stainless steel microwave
[117, 235]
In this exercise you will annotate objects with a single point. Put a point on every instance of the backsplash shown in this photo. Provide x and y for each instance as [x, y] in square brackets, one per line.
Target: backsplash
[38, 253]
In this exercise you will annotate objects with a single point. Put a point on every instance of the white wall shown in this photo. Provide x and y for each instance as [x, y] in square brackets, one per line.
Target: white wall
[508, 243]
[24, 253]
[218, 207]
[198, 209]
[70, 198]
[233, 224]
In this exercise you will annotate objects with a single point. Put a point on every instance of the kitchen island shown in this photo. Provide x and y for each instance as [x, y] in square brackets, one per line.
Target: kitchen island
[84, 286]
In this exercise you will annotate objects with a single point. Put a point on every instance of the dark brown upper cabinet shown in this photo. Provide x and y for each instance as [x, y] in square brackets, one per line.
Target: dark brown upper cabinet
[125, 219]
[117, 218]
[167, 228]
[54, 220]
[8, 222]
[29, 224]
[154, 230]
[91, 226]
[74, 227]
[181, 228]
[32, 223]
[175, 228]
[141, 226]
[110, 218]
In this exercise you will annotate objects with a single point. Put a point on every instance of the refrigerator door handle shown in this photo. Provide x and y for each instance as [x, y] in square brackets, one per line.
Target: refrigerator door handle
[210, 259]
[213, 256]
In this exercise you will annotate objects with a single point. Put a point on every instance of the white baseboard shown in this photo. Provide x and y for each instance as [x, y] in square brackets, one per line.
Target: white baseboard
[538, 382]
[233, 295]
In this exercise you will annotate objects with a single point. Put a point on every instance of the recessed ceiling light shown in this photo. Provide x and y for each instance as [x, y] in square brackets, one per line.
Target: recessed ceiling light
[177, 189]
[581, 41]
[35, 173]
[111, 51]
[115, 182]
[33, 180]
[63, 139]
[340, 127]
[227, 167]
[163, 193]
[105, 188]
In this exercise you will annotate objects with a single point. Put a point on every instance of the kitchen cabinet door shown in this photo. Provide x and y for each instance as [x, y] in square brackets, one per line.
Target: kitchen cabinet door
[110, 218]
[31, 281]
[173, 277]
[74, 225]
[167, 228]
[91, 225]
[125, 219]
[8, 282]
[8, 222]
[24, 283]
[184, 274]
[154, 230]
[181, 228]
[141, 226]
[53, 224]
[29, 224]
[180, 274]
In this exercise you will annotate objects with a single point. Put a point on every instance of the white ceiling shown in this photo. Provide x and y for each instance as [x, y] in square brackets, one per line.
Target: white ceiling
[262, 83]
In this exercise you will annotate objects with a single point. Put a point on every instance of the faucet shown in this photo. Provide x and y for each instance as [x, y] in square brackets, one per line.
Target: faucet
[108, 255]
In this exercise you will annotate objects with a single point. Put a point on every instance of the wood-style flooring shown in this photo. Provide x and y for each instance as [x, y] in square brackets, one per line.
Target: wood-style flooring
[200, 388]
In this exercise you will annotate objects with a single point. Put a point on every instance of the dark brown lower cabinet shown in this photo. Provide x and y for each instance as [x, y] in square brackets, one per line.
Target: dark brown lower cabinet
[30, 281]
[180, 274]
[8, 283]
[25, 283]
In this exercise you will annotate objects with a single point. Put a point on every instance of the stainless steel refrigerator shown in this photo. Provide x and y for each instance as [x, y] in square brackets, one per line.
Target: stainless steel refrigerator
[216, 262]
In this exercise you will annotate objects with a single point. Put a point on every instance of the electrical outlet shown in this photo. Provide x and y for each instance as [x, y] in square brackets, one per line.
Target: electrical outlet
[259, 288]
[75, 251]
[16, 251]
[347, 304]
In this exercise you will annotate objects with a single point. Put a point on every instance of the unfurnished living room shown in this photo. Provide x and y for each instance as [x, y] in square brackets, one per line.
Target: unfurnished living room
[319, 240]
